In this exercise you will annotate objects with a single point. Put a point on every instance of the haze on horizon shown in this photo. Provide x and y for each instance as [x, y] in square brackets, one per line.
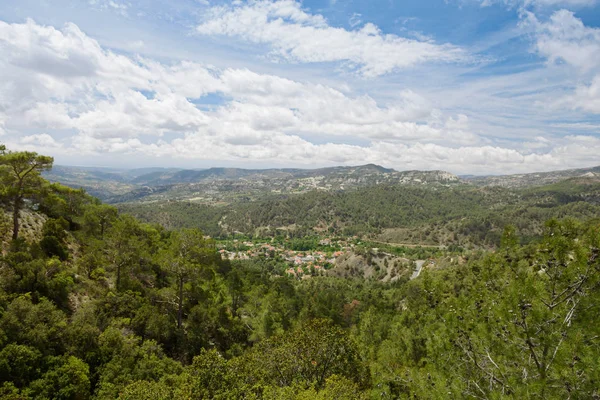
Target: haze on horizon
[466, 86]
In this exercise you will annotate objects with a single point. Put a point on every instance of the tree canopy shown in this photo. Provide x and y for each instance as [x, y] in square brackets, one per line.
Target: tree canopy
[95, 304]
[20, 180]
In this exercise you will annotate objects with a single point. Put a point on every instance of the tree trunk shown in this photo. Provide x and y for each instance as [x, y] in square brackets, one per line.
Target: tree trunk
[118, 276]
[180, 309]
[16, 226]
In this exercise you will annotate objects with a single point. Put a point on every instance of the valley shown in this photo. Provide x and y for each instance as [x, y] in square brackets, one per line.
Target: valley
[414, 215]
[351, 283]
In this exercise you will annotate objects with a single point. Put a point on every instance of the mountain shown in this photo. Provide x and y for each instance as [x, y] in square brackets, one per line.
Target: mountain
[407, 215]
[339, 173]
[99, 182]
[105, 183]
[350, 294]
[226, 185]
[145, 173]
[533, 179]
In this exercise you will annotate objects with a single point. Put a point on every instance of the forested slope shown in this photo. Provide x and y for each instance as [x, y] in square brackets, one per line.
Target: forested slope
[460, 215]
[100, 306]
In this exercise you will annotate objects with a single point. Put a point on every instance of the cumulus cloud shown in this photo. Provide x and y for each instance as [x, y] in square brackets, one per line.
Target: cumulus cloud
[114, 96]
[569, 152]
[104, 103]
[586, 97]
[42, 140]
[564, 38]
[298, 36]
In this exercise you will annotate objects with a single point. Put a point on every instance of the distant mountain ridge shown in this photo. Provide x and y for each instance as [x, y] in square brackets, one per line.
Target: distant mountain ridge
[223, 184]
[534, 178]
[220, 173]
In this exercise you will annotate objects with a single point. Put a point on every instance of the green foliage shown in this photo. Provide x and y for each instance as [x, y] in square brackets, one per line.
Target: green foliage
[146, 390]
[211, 377]
[98, 305]
[52, 246]
[60, 201]
[36, 277]
[459, 216]
[40, 326]
[66, 379]
[509, 324]
[21, 180]
[98, 218]
[178, 215]
[4, 224]
[336, 387]
[127, 359]
[19, 364]
[57, 228]
[8, 391]
[307, 356]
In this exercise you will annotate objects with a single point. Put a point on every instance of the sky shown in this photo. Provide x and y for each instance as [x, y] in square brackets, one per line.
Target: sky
[466, 86]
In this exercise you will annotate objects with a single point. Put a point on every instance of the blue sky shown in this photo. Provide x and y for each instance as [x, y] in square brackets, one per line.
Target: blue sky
[478, 87]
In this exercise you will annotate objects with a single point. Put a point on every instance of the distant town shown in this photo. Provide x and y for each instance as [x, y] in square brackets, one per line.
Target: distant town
[301, 262]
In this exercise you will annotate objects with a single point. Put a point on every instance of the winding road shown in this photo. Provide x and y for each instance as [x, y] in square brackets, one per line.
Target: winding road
[419, 267]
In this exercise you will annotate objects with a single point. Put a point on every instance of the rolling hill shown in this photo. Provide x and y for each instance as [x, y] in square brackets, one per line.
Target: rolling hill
[227, 185]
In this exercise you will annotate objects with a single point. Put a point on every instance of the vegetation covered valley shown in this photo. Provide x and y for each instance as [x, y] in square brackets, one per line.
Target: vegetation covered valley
[459, 215]
[95, 304]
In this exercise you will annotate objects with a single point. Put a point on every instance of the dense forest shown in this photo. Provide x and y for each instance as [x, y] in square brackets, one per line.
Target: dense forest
[461, 215]
[95, 304]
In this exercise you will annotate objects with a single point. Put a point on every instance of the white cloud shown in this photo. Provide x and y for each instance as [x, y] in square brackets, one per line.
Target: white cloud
[586, 97]
[42, 140]
[539, 4]
[577, 126]
[297, 36]
[113, 5]
[563, 3]
[136, 44]
[40, 62]
[571, 152]
[565, 39]
[355, 20]
[50, 115]
[2, 122]
[105, 103]
[85, 144]
[131, 114]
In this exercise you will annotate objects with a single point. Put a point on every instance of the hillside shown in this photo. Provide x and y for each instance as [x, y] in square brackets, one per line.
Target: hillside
[456, 215]
[228, 185]
[96, 305]
[99, 182]
[220, 186]
[533, 179]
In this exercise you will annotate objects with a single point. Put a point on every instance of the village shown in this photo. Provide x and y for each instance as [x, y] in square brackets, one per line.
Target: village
[309, 258]
[305, 258]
